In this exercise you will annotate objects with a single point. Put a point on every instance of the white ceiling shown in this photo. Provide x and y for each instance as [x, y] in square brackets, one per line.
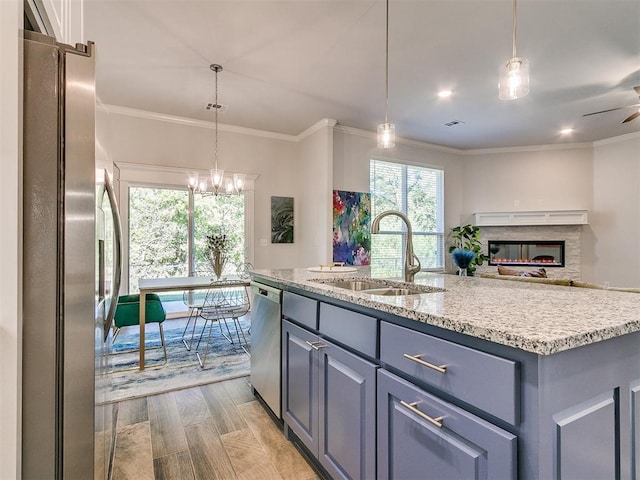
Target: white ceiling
[287, 64]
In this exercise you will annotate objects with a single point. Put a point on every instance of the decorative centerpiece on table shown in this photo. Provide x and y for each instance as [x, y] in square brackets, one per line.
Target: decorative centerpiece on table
[218, 247]
[462, 258]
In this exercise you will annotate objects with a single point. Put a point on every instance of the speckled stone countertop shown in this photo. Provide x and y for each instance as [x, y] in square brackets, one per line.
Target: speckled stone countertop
[542, 319]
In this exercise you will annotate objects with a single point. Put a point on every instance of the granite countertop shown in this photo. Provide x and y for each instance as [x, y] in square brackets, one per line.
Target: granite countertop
[542, 319]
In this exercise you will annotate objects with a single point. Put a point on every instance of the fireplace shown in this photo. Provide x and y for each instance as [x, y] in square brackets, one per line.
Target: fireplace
[534, 253]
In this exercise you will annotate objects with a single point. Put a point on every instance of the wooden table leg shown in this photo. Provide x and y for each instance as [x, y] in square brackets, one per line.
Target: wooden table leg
[143, 311]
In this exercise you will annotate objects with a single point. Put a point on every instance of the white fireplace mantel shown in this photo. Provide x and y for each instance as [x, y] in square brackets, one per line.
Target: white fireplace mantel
[552, 217]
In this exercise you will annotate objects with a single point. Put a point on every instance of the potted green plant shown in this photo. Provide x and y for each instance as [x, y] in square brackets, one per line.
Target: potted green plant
[467, 237]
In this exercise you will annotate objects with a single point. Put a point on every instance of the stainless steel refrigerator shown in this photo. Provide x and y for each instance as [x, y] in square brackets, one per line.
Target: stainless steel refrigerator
[65, 312]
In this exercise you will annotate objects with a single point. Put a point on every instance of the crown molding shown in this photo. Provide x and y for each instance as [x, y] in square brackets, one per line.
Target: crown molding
[133, 112]
[621, 138]
[331, 123]
[404, 141]
[324, 123]
[526, 148]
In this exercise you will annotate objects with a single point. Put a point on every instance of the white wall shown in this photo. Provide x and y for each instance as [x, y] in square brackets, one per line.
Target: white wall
[533, 178]
[142, 138]
[10, 240]
[615, 220]
[528, 179]
[602, 179]
[314, 181]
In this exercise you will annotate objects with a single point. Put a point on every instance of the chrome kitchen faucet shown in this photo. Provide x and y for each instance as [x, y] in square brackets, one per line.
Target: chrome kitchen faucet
[410, 268]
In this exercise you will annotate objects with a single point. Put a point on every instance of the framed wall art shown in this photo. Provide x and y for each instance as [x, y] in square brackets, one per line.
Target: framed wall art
[281, 219]
[351, 227]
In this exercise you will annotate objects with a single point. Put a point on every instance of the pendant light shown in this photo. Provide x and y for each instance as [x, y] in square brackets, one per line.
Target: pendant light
[386, 130]
[514, 76]
[219, 184]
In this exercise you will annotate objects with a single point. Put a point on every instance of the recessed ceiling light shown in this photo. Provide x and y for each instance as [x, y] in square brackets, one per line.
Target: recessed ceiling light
[445, 93]
[566, 131]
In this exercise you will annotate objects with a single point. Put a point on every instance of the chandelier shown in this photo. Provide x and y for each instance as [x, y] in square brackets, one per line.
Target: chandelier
[386, 130]
[219, 183]
[514, 76]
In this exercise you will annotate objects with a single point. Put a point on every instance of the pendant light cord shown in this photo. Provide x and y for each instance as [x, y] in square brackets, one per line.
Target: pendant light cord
[216, 108]
[515, 26]
[386, 68]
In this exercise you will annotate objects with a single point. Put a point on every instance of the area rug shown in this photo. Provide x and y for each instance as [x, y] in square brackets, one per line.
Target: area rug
[182, 370]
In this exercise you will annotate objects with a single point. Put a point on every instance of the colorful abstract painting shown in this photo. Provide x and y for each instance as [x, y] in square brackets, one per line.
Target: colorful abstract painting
[351, 227]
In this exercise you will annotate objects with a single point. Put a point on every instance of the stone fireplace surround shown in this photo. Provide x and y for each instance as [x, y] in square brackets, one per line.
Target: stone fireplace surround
[571, 234]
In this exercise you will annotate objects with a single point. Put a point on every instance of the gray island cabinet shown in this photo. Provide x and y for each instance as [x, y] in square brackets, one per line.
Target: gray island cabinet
[486, 379]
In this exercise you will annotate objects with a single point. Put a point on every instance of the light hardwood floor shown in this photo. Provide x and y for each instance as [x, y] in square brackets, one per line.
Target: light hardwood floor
[216, 431]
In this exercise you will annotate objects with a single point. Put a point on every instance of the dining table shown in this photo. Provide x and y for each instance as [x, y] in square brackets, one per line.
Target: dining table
[170, 284]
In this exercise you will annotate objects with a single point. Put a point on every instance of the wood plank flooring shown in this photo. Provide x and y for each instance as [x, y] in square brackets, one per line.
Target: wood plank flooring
[216, 431]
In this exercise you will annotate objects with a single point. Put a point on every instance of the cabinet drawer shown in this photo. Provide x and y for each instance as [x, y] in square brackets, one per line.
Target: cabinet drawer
[358, 331]
[486, 381]
[301, 309]
[422, 436]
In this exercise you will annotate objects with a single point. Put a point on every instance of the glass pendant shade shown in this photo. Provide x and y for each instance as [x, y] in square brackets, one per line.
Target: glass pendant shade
[514, 79]
[238, 182]
[193, 179]
[386, 135]
[217, 177]
[202, 186]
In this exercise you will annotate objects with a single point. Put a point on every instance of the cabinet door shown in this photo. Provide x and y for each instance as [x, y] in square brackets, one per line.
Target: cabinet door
[461, 447]
[585, 439]
[300, 383]
[347, 436]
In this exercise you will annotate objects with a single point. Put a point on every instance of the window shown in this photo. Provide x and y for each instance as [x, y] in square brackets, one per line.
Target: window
[418, 193]
[159, 232]
[209, 215]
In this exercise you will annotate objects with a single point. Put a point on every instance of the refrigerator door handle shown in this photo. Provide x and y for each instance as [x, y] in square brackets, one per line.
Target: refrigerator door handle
[117, 253]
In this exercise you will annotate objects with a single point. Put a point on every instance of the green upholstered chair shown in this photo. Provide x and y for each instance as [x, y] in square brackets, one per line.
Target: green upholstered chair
[128, 314]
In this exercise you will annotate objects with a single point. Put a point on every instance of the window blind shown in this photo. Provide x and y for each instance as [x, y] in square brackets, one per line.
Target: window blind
[418, 193]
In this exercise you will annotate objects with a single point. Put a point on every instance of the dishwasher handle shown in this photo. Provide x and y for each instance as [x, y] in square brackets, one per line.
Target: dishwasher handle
[261, 290]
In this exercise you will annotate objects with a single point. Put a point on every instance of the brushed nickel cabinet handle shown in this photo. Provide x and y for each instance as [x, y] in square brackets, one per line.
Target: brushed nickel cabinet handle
[417, 359]
[412, 407]
[315, 345]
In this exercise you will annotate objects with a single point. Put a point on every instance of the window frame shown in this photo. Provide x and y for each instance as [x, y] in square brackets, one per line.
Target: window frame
[439, 232]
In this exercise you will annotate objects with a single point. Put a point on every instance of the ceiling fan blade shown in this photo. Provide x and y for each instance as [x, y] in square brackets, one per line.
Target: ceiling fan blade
[603, 111]
[611, 110]
[631, 117]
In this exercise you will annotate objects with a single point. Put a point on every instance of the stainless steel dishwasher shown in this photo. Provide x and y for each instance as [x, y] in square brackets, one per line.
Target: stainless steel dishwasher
[266, 318]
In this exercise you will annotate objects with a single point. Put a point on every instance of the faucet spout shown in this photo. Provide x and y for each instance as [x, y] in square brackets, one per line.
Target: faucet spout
[410, 268]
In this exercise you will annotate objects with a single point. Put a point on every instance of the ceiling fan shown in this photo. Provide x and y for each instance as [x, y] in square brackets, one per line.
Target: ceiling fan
[630, 117]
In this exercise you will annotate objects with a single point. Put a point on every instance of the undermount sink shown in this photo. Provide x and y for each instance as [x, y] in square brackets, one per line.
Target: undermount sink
[389, 289]
[356, 285]
[393, 292]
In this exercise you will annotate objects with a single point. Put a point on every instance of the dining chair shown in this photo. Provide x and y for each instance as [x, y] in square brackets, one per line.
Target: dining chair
[128, 314]
[194, 301]
[225, 300]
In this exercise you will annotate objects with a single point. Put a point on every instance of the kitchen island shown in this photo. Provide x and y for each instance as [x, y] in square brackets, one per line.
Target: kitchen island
[475, 378]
